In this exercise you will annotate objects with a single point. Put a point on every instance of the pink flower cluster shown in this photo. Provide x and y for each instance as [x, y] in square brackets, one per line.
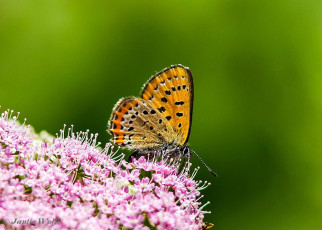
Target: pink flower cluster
[71, 183]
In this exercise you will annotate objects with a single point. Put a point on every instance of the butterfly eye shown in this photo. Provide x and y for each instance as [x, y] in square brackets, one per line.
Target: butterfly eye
[186, 151]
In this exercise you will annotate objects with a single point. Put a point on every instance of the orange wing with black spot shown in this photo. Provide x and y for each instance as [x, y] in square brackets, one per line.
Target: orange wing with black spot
[136, 124]
[162, 116]
[171, 92]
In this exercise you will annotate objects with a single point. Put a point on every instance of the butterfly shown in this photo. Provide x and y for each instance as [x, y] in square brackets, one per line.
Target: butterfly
[160, 120]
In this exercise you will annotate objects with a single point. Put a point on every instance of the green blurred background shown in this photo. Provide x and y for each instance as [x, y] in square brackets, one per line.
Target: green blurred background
[258, 80]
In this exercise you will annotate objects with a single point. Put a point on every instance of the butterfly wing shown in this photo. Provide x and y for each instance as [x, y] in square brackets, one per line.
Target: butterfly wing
[171, 93]
[136, 124]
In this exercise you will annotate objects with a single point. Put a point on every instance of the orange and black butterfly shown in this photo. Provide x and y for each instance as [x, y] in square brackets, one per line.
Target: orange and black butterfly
[161, 119]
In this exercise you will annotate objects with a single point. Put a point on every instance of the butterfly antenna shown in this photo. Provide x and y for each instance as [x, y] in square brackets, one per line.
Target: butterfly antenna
[209, 169]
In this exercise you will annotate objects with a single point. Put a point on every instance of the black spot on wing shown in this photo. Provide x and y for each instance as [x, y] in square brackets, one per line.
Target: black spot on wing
[161, 109]
[164, 99]
[179, 103]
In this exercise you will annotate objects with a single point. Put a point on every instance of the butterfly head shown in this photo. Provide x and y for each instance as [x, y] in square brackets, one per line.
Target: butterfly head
[185, 150]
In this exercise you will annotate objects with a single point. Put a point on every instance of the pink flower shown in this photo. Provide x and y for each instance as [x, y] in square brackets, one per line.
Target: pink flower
[68, 181]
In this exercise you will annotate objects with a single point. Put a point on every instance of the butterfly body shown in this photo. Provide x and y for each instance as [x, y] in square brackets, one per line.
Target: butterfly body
[165, 150]
[161, 119]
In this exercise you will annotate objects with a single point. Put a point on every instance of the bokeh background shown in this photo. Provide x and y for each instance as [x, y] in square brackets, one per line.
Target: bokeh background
[257, 69]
